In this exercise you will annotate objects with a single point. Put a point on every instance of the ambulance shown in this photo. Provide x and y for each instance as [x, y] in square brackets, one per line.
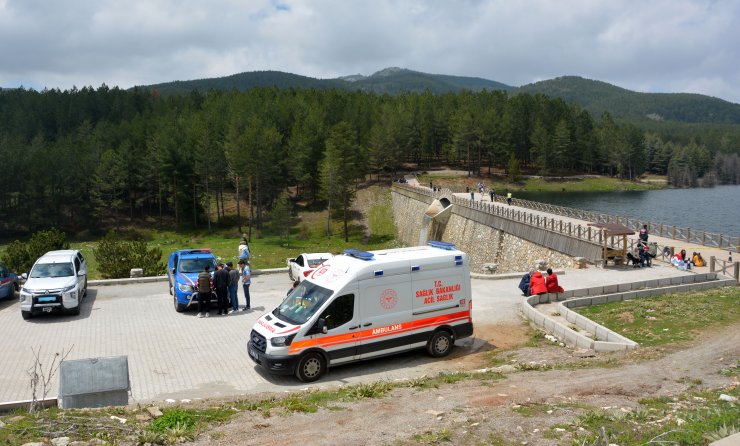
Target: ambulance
[362, 305]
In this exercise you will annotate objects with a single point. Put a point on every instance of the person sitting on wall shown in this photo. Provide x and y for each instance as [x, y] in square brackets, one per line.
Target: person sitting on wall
[537, 284]
[698, 260]
[551, 282]
[524, 283]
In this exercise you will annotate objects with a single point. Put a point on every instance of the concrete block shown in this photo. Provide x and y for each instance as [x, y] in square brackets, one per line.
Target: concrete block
[600, 346]
[689, 279]
[584, 342]
[642, 294]
[597, 300]
[610, 289]
[628, 296]
[570, 316]
[532, 300]
[580, 293]
[676, 280]
[664, 282]
[595, 291]
[560, 331]
[622, 287]
[561, 297]
[567, 294]
[549, 325]
[614, 297]
[651, 283]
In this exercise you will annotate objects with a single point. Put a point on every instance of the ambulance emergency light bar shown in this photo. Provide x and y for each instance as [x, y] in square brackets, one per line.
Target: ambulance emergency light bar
[441, 245]
[359, 254]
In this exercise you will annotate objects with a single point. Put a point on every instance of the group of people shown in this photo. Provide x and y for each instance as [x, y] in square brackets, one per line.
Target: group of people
[681, 261]
[225, 283]
[534, 282]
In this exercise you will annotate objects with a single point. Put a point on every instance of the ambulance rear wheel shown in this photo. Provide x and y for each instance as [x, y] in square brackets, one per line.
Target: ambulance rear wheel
[310, 367]
[440, 344]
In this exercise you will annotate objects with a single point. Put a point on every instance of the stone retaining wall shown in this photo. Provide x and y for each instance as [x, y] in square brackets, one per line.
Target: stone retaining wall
[476, 233]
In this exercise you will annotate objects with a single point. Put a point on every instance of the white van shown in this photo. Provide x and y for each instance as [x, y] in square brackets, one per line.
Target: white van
[366, 304]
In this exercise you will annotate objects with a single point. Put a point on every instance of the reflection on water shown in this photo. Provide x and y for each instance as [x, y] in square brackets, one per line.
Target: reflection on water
[714, 209]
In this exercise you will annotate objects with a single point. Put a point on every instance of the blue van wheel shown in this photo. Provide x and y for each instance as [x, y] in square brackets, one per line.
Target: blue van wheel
[178, 306]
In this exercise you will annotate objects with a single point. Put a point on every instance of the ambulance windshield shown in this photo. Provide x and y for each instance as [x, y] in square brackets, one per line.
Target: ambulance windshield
[302, 303]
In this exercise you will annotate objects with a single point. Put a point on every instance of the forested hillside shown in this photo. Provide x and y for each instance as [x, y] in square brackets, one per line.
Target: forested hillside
[94, 158]
[599, 97]
[389, 80]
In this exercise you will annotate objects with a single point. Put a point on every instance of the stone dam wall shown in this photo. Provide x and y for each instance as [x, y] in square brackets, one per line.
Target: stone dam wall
[488, 239]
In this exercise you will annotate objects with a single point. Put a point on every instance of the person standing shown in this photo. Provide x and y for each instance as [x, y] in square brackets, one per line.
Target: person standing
[492, 193]
[652, 253]
[233, 286]
[472, 196]
[246, 281]
[221, 283]
[508, 198]
[644, 234]
[204, 292]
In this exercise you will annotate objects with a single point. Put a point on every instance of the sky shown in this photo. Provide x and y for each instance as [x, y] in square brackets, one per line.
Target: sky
[690, 46]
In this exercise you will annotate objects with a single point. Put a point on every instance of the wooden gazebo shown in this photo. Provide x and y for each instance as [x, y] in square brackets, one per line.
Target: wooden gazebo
[617, 252]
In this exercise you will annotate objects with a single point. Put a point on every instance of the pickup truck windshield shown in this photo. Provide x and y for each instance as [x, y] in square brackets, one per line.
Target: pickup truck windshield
[196, 265]
[302, 303]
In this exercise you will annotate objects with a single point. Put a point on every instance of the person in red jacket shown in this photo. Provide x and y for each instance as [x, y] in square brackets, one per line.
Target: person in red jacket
[537, 284]
[551, 282]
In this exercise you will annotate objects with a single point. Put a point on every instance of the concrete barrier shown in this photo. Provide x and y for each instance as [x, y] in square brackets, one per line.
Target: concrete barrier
[604, 339]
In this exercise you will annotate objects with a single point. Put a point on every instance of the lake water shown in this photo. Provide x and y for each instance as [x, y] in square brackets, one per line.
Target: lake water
[715, 209]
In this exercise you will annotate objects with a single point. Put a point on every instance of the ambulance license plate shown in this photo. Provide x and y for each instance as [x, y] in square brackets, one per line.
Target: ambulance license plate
[46, 310]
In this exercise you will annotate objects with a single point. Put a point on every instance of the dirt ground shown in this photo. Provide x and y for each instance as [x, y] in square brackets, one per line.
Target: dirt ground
[477, 411]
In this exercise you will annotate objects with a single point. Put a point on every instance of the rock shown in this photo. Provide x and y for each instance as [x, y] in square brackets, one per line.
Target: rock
[60, 441]
[540, 265]
[729, 398]
[489, 268]
[16, 419]
[36, 443]
[2, 424]
[580, 262]
[170, 401]
[584, 353]
[185, 401]
[559, 429]
[434, 413]
[143, 417]
[506, 368]
[79, 443]
[154, 411]
[97, 441]
[136, 272]
[119, 419]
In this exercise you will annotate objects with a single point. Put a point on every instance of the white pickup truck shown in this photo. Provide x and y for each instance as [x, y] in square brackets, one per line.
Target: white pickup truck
[302, 265]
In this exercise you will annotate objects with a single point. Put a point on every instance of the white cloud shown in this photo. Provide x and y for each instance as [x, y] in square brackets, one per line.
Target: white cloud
[660, 45]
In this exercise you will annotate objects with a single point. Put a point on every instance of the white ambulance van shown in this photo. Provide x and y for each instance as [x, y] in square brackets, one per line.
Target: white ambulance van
[367, 304]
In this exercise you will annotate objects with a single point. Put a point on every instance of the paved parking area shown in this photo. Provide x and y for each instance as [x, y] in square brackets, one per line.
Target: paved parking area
[178, 356]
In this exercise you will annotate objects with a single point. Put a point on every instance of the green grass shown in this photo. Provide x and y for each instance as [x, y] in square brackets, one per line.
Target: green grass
[690, 419]
[670, 318]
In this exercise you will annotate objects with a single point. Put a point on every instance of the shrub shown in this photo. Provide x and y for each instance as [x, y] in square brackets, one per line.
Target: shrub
[116, 257]
[173, 419]
[19, 256]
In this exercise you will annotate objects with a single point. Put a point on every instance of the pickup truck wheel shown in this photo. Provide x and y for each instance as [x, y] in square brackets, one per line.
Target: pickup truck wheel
[310, 367]
[84, 293]
[75, 311]
[178, 306]
[440, 344]
[26, 315]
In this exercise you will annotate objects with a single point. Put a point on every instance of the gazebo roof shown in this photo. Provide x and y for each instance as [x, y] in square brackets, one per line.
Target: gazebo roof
[613, 228]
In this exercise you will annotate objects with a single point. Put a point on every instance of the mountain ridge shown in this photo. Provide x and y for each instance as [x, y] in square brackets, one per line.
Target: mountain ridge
[593, 95]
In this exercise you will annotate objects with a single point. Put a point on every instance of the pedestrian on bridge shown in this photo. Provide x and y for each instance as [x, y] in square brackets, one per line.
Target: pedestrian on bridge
[492, 193]
[472, 196]
[508, 198]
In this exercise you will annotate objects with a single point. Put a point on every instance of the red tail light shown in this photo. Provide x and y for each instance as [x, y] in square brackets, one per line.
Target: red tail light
[306, 273]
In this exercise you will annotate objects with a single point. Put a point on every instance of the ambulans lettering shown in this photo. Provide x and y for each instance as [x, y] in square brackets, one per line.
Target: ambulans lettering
[387, 329]
[440, 293]
[266, 325]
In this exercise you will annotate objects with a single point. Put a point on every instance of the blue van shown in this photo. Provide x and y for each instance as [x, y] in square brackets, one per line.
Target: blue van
[183, 268]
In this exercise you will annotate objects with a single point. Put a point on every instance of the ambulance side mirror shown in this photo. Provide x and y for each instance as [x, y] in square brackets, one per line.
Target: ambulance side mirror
[321, 325]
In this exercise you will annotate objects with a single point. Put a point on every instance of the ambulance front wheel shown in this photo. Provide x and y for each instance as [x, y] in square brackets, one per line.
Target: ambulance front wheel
[440, 344]
[310, 368]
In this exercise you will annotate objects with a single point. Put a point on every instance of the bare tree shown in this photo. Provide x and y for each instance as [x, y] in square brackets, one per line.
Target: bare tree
[41, 378]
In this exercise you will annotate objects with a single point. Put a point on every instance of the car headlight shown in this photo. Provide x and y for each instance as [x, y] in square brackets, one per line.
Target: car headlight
[282, 341]
[185, 288]
[26, 290]
[69, 288]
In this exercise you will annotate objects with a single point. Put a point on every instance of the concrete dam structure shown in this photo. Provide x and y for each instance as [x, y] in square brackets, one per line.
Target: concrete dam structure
[488, 238]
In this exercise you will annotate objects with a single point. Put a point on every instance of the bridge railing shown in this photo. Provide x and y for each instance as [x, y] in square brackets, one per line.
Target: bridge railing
[725, 267]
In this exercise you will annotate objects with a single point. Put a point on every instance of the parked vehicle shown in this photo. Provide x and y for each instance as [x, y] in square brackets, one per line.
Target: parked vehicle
[366, 304]
[183, 268]
[56, 284]
[8, 283]
[302, 265]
